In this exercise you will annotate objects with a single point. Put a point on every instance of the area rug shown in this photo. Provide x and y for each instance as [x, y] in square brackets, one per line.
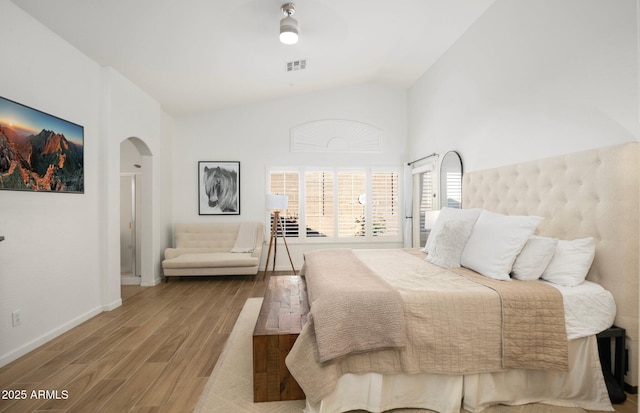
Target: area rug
[230, 388]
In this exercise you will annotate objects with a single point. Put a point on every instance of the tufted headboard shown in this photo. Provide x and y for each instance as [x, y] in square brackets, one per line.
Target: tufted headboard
[593, 193]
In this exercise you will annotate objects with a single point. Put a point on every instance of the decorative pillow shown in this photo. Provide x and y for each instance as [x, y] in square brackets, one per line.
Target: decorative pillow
[534, 258]
[495, 242]
[449, 243]
[571, 262]
[450, 214]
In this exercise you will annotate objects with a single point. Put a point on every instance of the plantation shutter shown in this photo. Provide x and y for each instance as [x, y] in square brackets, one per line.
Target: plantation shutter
[385, 207]
[319, 203]
[351, 204]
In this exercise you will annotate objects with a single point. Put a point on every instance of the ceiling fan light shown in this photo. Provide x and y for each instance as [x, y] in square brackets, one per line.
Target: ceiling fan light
[289, 30]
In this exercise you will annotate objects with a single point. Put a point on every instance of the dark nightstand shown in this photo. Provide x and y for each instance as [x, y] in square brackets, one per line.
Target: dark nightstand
[620, 362]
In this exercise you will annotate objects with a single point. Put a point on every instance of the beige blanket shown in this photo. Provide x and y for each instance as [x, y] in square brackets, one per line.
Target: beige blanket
[454, 326]
[533, 326]
[246, 238]
[352, 310]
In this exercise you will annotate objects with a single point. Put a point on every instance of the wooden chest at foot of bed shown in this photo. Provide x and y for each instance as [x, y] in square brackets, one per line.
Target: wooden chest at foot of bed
[283, 313]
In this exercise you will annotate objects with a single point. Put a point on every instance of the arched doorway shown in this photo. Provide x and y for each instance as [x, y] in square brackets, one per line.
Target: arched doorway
[135, 212]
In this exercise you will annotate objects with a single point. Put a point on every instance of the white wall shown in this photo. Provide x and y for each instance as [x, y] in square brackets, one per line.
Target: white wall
[50, 260]
[258, 136]
[60, 262]
[164, 184]
[529, 80]
[128, 112]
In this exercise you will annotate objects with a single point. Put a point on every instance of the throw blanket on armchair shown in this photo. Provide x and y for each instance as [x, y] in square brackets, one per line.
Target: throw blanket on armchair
[246, 238]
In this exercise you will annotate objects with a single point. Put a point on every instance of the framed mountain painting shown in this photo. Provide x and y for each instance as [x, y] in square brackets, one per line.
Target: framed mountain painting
[38, 151]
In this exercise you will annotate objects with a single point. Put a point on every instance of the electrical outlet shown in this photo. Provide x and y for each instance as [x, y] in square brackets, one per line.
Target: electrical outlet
[16, 318]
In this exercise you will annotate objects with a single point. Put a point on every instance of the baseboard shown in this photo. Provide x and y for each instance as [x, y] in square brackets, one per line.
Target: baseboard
[113, 305]
[630, 389]
[43, 339]
[129, 280]
[153, 283]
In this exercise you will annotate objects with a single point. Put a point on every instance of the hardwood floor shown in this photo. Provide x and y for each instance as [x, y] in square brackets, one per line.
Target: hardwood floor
[153, 354]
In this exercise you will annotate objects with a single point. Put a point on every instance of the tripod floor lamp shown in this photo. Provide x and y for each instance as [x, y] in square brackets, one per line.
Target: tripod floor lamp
[276, 203]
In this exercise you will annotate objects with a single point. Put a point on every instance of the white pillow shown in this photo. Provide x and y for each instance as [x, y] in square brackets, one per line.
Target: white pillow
[449, 243]
[571, 262]
[534, 258]
[495, 242]
[450, 214]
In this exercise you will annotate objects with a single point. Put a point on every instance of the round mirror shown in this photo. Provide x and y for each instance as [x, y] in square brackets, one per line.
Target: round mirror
[451, 180]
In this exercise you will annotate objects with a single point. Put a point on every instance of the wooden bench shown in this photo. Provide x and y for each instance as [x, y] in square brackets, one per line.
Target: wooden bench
[283, 313]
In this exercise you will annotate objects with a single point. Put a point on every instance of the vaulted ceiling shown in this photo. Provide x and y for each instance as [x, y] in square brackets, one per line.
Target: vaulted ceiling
[200, 55]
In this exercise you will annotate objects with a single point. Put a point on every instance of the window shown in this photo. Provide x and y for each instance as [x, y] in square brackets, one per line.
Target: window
[351, 204]
[319, 204]
[424, 201]
[287, 183]
[331, 204]
[385, 206]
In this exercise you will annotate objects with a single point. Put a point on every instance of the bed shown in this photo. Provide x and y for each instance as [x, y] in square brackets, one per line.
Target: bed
[588, 195]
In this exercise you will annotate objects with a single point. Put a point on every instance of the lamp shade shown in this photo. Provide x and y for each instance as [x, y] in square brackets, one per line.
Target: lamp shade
[289, 30]
[277, 201]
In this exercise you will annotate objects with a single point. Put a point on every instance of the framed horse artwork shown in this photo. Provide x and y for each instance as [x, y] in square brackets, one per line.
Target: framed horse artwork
[219, 188]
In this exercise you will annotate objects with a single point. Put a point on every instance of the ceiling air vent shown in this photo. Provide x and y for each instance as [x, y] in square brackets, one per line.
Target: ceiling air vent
[296, 65]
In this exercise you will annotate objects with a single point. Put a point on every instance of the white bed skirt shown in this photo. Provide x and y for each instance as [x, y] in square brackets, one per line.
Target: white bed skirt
[583, 386]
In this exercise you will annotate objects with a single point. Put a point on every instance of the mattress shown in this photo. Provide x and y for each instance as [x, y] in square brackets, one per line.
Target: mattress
[588, 309]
